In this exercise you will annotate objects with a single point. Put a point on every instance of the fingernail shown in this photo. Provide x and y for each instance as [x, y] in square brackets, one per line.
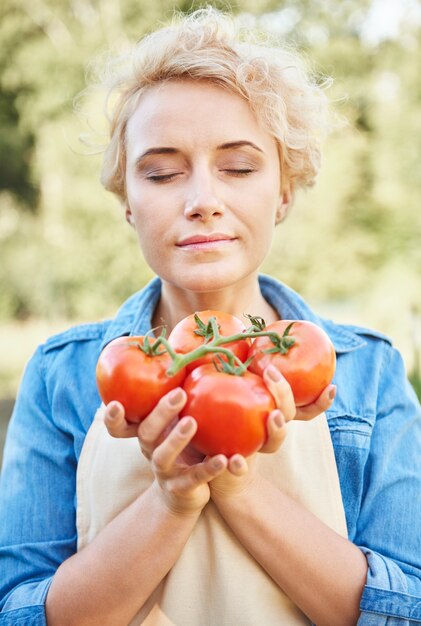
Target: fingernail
[185, 426]
[332, 393]
[113, 411]
[175, 396]
[279, 419]
[217, 463]
[238, 463]
[273, 374]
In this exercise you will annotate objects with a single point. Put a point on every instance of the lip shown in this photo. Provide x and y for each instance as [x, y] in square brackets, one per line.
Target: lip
[205, 240]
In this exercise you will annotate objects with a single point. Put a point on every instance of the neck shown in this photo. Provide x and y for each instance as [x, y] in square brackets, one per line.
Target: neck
[175, 304]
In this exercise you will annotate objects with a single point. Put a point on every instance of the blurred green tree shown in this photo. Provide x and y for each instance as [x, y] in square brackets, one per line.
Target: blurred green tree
[65, 250]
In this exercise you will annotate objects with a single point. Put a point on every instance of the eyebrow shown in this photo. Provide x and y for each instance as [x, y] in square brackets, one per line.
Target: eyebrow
[238, 144]
[232, 145]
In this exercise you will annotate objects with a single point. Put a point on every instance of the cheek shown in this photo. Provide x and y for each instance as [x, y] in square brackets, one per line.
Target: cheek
[149, 218]
[151, 230]
[152, 248]
[260, 217]
[151, 236]
[266, 228]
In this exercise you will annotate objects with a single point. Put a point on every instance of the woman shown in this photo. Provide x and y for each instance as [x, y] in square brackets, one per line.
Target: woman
[209, 139]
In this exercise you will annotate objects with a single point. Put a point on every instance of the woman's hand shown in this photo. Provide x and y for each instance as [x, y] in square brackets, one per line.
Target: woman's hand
[241, 471]
[182, 474]
[284, 398]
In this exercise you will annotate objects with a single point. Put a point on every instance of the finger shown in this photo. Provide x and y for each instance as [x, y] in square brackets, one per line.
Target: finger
[323, 402]
[201, 473]
[281, 391]
[116, 423]
[165, 455]
[152, 428]
[237, 465]
[276, 432]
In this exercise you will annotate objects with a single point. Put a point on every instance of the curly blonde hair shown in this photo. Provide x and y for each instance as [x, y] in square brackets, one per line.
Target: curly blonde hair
[210, 45]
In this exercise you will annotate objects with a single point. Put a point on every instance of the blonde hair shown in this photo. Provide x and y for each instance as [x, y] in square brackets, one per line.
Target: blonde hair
[210, 45]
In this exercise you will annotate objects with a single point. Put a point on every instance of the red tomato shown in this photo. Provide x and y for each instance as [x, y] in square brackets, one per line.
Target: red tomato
[126, 373]
[183, 337]
[308, 365]
[231, 411]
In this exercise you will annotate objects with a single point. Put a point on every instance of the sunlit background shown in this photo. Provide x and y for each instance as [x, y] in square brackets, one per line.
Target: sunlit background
[351, 245]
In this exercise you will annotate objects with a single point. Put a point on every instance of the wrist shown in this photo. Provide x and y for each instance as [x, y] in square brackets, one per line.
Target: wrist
[183, 507]
[235, 489]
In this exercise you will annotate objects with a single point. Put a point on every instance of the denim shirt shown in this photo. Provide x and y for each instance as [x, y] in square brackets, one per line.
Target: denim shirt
[375, 425]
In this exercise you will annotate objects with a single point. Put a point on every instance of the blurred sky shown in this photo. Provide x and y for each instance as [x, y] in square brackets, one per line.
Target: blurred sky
[386, 17]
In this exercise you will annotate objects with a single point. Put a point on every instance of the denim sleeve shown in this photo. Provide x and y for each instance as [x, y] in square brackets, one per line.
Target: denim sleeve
[389, 526]
[37, 502]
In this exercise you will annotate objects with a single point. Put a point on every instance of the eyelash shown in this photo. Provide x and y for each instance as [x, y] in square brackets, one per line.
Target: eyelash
[163, 178]
[240, 172]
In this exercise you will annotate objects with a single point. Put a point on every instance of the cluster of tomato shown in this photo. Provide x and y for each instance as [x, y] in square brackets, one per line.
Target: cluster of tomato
[230, 404]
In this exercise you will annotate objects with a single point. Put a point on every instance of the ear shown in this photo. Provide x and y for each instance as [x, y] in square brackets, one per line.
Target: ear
[285, 202]
[129, 216]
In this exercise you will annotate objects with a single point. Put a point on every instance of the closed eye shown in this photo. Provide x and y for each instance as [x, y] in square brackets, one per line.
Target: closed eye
[239, 172]
[162, 178]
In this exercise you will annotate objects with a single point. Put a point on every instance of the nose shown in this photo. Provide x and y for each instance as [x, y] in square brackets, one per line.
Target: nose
[202, 201]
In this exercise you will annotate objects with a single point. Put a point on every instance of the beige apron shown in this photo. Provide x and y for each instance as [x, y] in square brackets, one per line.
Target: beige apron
[215, 581]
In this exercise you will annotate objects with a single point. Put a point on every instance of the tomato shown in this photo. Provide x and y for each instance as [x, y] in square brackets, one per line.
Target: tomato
[308, 365]
[230, 410]
[138, 380]
[184, 338]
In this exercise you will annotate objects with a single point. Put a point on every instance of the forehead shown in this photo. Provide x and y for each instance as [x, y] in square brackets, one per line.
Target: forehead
[192, 112]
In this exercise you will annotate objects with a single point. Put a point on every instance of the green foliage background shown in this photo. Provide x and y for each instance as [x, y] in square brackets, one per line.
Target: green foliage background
[350, 245]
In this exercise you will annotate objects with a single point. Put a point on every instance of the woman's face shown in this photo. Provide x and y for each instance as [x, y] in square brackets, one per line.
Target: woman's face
[203, 185]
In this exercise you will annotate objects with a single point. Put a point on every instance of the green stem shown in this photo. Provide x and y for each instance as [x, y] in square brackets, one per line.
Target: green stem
[215, 329]
[183, 360]
[214, 346]
[162, 341]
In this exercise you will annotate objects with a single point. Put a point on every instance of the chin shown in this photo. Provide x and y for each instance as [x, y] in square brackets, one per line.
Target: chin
[205, 280]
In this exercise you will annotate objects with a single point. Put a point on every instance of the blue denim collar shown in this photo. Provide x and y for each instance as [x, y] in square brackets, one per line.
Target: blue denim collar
[135, 315]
